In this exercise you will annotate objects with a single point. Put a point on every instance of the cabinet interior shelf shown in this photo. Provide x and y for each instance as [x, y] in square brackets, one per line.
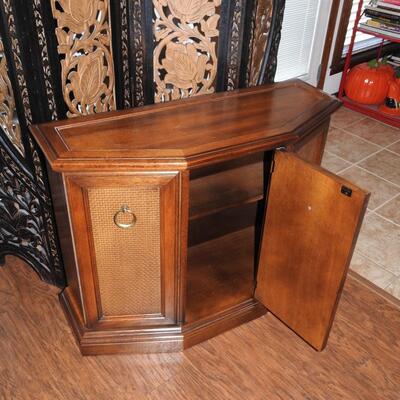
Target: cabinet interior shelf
[225, 200]
[220, 274]
[226, 185]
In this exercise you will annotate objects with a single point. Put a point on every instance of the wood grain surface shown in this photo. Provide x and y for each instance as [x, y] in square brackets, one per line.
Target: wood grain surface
[307, 245]
[220, 274]
[259, 360]
[190, 132]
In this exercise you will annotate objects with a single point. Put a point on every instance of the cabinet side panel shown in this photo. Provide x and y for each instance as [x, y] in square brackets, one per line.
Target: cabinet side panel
[311, 148]
[64, 233]
[127, 259]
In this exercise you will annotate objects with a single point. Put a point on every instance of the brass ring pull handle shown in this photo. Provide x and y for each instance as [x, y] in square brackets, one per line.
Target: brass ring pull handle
[125, 210]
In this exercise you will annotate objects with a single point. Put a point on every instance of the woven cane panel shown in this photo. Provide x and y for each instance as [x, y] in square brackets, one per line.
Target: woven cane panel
[127, 260]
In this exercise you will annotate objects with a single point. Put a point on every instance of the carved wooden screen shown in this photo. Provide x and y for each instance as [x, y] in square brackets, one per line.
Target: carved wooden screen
[65, 58]
[171, 49]
[84, 43]
[27, 226]
[8, 117]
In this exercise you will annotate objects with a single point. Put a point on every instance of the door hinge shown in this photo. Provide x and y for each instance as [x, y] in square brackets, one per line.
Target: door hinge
[272, 167]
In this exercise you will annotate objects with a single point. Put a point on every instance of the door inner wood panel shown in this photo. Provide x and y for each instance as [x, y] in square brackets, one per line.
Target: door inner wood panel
[312, 222]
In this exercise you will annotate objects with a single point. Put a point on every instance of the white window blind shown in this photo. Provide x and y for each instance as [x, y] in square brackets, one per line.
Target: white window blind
[362, 41]
[298, 31]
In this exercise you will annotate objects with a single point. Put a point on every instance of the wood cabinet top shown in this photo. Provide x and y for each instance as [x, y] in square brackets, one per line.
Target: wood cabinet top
[186, 133]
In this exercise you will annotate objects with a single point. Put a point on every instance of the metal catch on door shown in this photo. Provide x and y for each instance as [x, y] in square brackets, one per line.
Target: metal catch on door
[346, 191]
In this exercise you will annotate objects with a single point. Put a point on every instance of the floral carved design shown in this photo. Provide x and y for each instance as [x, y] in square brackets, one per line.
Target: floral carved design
[16, 52]
[84, 39]
[44, 53]
[234, 52]
[37, 165]
[8, 116]
[125, 53]
[185, 60]
[23, 228]
[138, 52]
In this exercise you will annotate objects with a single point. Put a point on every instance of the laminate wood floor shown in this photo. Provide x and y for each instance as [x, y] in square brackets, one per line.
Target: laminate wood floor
[259, 360]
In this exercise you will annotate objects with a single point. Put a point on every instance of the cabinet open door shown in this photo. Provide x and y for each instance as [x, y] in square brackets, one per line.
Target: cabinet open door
[312, 221]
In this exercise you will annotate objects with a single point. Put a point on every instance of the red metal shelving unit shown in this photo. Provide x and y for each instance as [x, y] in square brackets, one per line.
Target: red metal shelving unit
[371, 111]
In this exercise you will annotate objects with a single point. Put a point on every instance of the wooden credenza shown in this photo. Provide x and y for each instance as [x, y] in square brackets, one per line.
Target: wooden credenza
[182, 220]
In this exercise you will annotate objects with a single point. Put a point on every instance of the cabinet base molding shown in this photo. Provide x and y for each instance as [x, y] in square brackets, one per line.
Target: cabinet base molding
[117, 341]
[199, 331]
[154, 340]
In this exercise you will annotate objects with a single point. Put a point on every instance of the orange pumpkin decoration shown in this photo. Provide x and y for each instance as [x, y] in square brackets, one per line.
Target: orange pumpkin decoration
[368, 83]
[392, 102]
[388, 69]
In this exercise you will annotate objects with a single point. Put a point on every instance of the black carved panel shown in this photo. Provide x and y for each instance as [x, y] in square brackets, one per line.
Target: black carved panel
[27, 225]
[233, 14]
[270, 61]
[121, 45]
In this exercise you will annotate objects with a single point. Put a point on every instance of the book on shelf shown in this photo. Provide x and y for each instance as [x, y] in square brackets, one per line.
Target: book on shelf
[383, 24]
[384, 20]
[394, 61]
[395, 57]
[390, 1]
[375, 12]
[382, 11]
[381, 31]
[394, 4]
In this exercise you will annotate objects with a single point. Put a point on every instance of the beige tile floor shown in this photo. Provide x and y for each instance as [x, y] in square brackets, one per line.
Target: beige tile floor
[367, 153]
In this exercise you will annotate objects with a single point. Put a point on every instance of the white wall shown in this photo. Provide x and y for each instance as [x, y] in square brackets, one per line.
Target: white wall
[332, 82]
